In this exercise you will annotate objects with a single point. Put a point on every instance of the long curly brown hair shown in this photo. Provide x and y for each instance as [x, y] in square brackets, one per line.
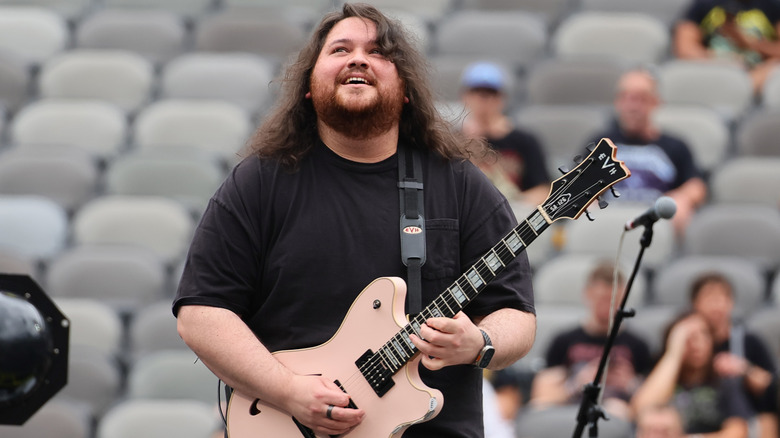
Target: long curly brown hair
[290, 130]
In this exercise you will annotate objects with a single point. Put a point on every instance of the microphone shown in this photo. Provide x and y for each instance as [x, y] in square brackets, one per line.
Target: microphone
[664, 208]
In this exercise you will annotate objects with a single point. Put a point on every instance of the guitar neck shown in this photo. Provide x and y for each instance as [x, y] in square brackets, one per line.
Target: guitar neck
[399, 350]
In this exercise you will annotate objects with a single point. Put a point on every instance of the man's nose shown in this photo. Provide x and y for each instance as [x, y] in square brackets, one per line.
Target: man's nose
[359, 59]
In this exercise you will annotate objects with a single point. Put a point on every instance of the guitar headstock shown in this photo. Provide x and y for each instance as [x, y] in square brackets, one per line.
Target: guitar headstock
[571, 194]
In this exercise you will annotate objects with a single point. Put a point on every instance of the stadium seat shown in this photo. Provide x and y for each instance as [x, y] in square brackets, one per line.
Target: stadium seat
[93, 324]
[212, 126]
[552, 11]
[171, 375]
[448, 69]
[562, 279]
[69, 9]
[94, 380]
[674, 280]
[159, 419]
[602, 237]
[749, 180]
[153, 329]
[563, 130]
[757, 135]
[187, 177]
[159, 224]
[34, 34]
[32, 226]
[765, 322]
[573, 82]
[12, 262]
[770, 92]
[123, 277]
[95, 126]
[722, 86]
[430, 10]
[561, 421]
[56, 418]
[186, 8]
[269, 36]
[239, 78]
[157, 35]
[15, 78]
[627, 37]
[749, 231]
[704, 131]
[518, 38]
[68, 176]
[116, 76]
[668, 11]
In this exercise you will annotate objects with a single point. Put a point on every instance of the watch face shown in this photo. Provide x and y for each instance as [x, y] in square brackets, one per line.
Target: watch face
[487, 355]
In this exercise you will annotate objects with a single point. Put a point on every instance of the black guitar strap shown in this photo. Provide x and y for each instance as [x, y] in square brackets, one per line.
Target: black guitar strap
[410, 186]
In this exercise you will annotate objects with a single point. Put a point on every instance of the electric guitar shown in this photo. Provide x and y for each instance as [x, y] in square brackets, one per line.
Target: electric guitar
[377, 367]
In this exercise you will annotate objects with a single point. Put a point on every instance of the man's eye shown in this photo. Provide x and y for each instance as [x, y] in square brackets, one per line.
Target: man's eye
[339, 50]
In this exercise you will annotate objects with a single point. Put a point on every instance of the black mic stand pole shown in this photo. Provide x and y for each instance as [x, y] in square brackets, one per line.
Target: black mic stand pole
[590, 412]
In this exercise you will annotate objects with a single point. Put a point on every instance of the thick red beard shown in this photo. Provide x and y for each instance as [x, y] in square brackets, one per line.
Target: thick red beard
[370, 120]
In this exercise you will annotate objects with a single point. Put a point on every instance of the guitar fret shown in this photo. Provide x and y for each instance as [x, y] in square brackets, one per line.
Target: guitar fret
[399, 349]
[405, 337]
[399, 340]
[493, 262]
[475, 279]
[514, 243]
[458, 294]
[393, 359]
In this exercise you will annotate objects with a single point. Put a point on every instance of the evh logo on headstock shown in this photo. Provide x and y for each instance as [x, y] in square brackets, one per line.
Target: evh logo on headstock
[560, 202]
[607, 163]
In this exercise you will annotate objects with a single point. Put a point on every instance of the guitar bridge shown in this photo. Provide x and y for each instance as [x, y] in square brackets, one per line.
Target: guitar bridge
[375, 372]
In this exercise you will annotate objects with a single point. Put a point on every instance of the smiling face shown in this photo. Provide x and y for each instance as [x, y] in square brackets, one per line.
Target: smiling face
[355, 89]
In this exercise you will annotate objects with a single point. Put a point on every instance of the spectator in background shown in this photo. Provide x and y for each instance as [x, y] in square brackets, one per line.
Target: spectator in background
[685, 377]
[573, 356]
[745, 31]
[738, 354]
[660, 164]
[519, 170]
[659, 422]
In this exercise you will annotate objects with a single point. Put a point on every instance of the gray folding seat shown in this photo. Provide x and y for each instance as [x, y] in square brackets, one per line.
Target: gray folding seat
[34, 34]
[157, 35]
[757, 135]
[748, 180]
[704, 131]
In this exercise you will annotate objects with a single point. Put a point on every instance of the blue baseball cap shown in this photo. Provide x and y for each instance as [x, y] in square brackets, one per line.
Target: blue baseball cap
[483, 75]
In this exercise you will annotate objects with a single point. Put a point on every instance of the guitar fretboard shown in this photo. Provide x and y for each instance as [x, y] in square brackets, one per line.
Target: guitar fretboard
[394, 354]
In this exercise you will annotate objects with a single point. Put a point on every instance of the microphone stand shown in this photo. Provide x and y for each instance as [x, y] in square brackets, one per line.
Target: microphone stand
[590, 412]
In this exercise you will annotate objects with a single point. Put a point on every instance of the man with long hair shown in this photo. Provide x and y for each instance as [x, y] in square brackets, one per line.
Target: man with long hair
[311, 217]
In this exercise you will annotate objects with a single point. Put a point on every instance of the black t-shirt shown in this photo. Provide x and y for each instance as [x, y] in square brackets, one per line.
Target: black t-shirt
[576, 346]
[524, 151]
[705, 407]
[756, 18]
[290, 251]
[656, 167]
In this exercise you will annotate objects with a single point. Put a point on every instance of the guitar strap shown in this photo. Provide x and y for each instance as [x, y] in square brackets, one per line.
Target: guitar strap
[410, 186]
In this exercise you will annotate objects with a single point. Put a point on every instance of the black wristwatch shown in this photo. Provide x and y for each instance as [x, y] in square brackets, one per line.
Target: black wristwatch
[484, 356]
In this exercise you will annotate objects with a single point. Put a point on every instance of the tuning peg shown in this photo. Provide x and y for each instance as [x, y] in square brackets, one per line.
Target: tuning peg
[602, 203]
[615, 193]
[578, 159]
[590, 146]
[587, 214]
[563, 169]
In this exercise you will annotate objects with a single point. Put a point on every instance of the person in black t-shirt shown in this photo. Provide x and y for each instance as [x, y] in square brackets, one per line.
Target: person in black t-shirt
[311, 217]
[573, 356]
[744, 31]
[660, 164]
[685, 378]
[740, 354]
[519, 170]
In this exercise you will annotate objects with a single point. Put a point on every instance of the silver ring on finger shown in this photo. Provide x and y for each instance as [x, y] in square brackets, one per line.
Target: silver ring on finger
[329, 412]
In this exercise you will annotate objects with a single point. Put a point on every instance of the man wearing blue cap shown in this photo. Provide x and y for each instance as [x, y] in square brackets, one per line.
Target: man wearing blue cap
[519, 170]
